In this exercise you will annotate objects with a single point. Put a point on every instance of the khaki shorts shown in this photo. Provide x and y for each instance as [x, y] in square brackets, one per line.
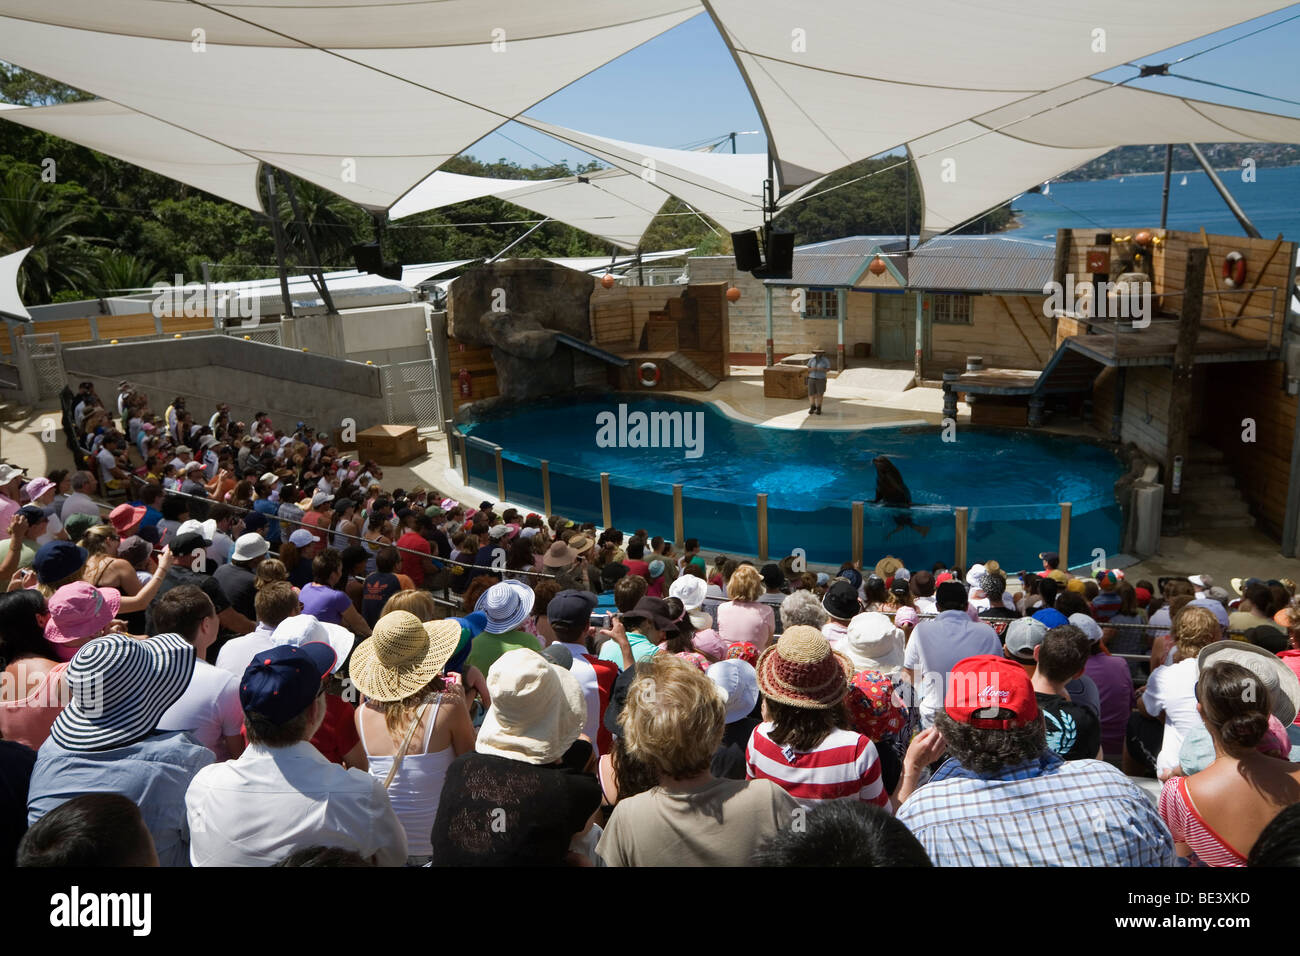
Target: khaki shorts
[816, 386]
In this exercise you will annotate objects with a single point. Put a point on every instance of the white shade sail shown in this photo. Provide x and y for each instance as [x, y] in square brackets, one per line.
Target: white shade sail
[11, 306]
[841, 80]
[363, 98]
[145, 142]
[970, 167]
[610, 203]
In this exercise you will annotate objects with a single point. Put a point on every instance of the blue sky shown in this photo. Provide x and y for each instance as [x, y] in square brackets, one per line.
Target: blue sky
[683, 87]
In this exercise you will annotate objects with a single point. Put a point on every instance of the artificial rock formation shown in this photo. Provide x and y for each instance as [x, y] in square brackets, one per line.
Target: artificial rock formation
[516, 306]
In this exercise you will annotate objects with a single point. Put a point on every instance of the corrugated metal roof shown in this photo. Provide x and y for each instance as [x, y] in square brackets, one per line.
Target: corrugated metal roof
[945, 263]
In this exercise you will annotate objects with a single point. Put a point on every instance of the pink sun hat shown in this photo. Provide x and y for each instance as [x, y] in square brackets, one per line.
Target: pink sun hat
[78, 612]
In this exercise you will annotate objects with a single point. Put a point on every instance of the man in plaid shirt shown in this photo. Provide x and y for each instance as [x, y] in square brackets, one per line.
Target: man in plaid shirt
[1004, 799]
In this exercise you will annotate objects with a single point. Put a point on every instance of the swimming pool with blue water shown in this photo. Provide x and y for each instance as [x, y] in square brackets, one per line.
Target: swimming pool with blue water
[1012, 481]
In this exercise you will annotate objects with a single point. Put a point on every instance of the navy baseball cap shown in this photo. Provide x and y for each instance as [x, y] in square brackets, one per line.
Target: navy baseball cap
[55, 560]
[33, 514]
[571, 608]
[254, 521]
[282, 682]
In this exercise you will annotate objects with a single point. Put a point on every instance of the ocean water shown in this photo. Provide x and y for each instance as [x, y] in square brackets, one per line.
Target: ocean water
[1271, 202]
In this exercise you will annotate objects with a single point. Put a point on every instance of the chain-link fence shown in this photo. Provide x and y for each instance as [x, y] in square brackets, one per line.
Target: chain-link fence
[411, 394]
[46, 357]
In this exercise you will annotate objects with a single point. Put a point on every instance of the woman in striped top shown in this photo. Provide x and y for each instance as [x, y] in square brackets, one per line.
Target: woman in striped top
[1216, 815]
[802, 745]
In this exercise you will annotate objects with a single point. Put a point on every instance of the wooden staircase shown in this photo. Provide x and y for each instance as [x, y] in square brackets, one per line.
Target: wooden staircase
[1210, 497]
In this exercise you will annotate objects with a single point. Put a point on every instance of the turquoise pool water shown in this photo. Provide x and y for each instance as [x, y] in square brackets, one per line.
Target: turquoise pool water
[1012, 481]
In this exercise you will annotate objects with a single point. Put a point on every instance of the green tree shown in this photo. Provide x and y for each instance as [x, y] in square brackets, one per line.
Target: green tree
[120, 272]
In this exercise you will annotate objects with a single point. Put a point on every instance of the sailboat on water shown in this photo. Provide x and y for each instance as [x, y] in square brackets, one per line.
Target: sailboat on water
[1047, 187]
[1184, 182]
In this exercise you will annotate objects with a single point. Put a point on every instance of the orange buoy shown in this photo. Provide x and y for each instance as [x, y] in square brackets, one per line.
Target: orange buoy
[607, 281]
[877, 267]
[733, 294]
[1142, 237]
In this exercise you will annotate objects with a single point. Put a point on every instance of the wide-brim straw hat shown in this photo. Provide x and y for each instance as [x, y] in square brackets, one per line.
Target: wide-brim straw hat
[801, 670]
[537, 709]
[402, 656]
[120, 688]
[1282, 683]
[559, 555]
[505, 605]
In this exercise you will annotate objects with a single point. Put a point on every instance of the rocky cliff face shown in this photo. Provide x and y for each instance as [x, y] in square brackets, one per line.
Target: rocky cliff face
[516, 306]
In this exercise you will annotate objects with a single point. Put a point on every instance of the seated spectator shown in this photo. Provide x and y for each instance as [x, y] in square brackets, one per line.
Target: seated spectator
[32, 691]
[1166, 708]
[238, 578]
[37, 526]
[803, 746]
[506, 604]
[380, 585]
[1004, 799]
[110, 743]
[844, 833]
[526, 791]
[281, 793]
[1216, 815]
[412, 723]
[842, 605]
[938, 644]
[744, 618]
[902, 606]
[645, 626]
[322, 601]
[275, 602]
[739, 683]
[690, 590]
[1279, 842]
[209, 709]
[16, 762]
[873, 643]
[1073, 729]
[802, 606]
[90, 831]
[77, 613]
[569, 614]
[674, 720]
[1111, 676]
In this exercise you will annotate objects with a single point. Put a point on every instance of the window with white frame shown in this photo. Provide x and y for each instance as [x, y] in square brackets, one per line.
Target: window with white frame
[821, 304]
[951, 309]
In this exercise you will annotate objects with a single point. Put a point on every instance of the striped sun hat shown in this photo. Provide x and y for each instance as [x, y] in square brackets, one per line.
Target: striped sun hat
[505, 605]
[801, 670]
[120, 687]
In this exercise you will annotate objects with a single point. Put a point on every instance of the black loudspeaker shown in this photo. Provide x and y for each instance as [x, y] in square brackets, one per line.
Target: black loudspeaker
[780, 255]
[369, 258]
[745, 244]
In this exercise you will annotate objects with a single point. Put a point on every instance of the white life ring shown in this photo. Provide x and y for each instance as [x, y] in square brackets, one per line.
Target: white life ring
[649, 374]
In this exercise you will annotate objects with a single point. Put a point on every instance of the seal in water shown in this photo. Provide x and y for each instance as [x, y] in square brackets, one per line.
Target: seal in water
[891, 490]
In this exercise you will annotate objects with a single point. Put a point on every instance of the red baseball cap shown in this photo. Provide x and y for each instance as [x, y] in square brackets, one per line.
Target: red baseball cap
[946, 576]
[982, 691]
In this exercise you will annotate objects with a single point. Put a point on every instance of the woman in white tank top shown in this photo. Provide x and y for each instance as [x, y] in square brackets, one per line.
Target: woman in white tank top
[413, 721]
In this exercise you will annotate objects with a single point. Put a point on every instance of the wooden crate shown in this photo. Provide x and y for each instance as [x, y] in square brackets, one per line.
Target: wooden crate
[389, 444]
[661, 333]
[785, 381]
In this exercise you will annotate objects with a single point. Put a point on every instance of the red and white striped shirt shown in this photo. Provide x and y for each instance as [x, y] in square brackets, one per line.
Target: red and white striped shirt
[845, 766]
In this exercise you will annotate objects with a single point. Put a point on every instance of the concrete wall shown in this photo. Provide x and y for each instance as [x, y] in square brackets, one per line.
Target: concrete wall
[289, 385]
[386, 335]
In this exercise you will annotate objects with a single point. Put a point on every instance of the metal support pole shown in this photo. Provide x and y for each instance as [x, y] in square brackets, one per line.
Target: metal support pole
[679, 525]
[605, 512]
[1223, 193]
[771, 352]
[317, 271]
[277, 233]
[448, 428]
[501, 473]
[962, 514]
[920, 337]
[546, 487]
[841, 312]
[762, 525]
[855, 552]
[1063, 548]
[1164, 197]
[464, 460]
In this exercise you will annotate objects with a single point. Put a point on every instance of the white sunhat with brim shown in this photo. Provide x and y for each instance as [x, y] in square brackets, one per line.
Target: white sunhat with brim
[120, 687]
[8, 473]
[738, 682]
[505, 605]
[193, 526]
[873, 643]
[690, 590]
[249, 546]
[1282, 683]
[537, 709]
[306, 629]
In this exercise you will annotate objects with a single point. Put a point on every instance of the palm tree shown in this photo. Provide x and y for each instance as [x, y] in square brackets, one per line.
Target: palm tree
[334, 223]
[30, 216]
[120, 272]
